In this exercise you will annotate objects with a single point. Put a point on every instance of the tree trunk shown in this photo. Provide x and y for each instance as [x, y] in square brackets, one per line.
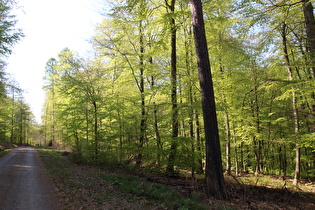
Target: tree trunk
[214, 172]
[155, 123]
[96, 135]
[193, 132]
[310, 31]
[21, 126]
[295, 109]
[12, 119]
[235, 154]
[173, 149]
[227, 143]
[53, 116]
[256, 138]
[157, 136]
[141, 88]
[226, 113]
[199, 167]
[87, 133]
[121, 135]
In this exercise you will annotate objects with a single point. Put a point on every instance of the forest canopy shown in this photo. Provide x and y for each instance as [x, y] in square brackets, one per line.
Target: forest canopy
[138, 99]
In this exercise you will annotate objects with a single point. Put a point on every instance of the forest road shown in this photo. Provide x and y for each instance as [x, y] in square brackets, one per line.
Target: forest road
[23, 183]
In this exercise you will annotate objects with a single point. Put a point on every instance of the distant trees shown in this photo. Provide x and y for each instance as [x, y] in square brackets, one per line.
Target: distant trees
[16, 119]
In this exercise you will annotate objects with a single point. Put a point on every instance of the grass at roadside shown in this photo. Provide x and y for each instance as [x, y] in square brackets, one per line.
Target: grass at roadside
[89, 187]
[108, 187]
[55, 163]
[4, 152]
[153, 191]
[5, 148]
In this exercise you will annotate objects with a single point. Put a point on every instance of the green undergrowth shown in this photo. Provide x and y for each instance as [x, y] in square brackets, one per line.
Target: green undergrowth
[123, 186]
[153, 191]
[276, 182]
[112, 185]
[4, 152]
[55, 163]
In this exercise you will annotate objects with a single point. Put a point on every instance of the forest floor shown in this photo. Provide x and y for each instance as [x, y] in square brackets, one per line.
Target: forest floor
[80, 186]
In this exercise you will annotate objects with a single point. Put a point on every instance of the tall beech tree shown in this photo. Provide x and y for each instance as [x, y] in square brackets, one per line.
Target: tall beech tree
[308, 11]
[294, 105]
[214, 171]
[173, 33]
[51, 75]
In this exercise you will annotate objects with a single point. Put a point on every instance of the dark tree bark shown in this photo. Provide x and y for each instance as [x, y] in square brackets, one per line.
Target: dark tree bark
[310, 31]
[235, 154]
[173, 149]
[214, 172]
[96, 134]
[141, 88]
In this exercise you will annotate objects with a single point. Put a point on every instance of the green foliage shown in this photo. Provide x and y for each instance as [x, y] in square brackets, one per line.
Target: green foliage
[8, 34]
[54, 164]
[152, 191]
[117, 106]
[17, 123]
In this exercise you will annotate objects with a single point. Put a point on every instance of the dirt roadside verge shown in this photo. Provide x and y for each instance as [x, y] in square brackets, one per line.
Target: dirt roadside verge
[82, 186]
[93, 187]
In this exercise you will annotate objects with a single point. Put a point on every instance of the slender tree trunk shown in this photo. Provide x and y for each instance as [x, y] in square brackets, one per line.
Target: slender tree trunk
[21, 125]
[226, 121]
[173, 149]
[53, 116]
[280, 159]
[155, 124]
[155, 121]
[214, 172]
[87, 125]
[295, 109]
[199, 167]
[96, 135]
[157, 136]
[12, 119]
[235, 154]
[226, 112]
[192, 134]
[243, 161]
[256, 138]
[45, 127]
[141, 88]
[227, 143]
[121, 137]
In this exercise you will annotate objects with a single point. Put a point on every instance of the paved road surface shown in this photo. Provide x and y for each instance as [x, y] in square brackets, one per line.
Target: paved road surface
[23, 183]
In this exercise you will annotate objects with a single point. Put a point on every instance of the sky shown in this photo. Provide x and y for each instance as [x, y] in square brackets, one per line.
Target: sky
[49, 27]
